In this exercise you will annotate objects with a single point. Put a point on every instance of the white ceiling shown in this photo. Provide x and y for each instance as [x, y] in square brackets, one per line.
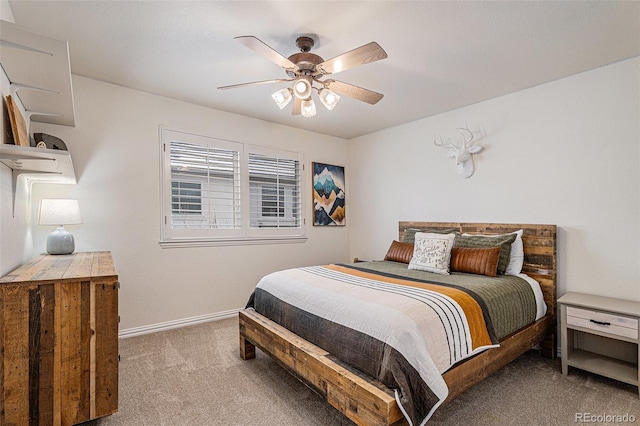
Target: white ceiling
[442, 55]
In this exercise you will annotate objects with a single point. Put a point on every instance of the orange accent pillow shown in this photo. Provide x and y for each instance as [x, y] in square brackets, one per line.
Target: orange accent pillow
[482, 261]
[400, 252]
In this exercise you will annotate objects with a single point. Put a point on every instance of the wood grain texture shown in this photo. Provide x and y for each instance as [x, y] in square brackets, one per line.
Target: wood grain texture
[247, 349]
[79, 266]
[317, 368]
[361, 399]
[86, 354]
[18, 125]
[52, 267]
[46, 354]
[24, 273]
[102, 265]
[34, 353]
[106, 344]
[16, 355]
[51, 318]
[71, 353]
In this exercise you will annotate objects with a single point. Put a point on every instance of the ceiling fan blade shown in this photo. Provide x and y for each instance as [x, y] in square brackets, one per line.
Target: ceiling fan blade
[254, 83]
[261, 48]
[368, 53]
[364, 95]
[297, 106]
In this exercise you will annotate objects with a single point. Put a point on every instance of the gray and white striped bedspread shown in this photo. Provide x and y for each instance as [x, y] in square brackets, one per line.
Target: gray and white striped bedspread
[403, 331]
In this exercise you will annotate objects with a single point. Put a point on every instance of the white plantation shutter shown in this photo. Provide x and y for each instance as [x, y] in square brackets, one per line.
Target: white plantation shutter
[216, 172]
[218, 191]
[274, 191]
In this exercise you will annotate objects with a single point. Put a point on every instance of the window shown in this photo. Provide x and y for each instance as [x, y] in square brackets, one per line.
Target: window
[271, 201]
[274, 192]
[186, 198]
[205, 185]
[216, 191]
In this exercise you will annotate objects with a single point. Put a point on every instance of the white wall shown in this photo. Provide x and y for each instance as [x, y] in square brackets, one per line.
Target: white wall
[115, 150]
[15, 230]
[564, 153]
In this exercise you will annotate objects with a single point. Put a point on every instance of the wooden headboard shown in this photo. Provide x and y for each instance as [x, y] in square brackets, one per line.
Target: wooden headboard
[539, 249]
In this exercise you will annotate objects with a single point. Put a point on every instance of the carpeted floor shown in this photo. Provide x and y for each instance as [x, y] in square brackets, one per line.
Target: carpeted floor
[194, 376]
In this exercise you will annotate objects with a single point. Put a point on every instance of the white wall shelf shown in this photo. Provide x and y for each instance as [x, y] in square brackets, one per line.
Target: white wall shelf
[39, 74]
[36, 165]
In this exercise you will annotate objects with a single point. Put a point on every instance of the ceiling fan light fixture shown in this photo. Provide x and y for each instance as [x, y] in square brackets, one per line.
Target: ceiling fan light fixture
[308, 108]
[282, 97]
[328, 98]
[302, 88]
[305, 69]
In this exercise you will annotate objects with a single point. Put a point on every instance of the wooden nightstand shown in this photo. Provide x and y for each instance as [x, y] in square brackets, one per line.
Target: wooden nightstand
[600, 335]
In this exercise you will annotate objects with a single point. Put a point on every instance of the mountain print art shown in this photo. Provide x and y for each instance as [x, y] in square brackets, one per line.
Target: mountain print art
[328, 195]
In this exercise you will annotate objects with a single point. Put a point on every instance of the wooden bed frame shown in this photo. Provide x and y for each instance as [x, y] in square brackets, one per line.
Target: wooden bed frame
[368, 402]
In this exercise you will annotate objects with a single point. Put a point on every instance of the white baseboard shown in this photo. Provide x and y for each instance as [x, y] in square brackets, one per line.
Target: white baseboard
[184, 322]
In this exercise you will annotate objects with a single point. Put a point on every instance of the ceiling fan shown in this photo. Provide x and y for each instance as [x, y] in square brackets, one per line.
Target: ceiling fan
[307, 71]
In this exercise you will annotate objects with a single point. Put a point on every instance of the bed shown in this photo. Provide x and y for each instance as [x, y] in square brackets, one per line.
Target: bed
[366, 400]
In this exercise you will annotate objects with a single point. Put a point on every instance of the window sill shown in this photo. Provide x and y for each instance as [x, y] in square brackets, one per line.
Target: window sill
[231, 242]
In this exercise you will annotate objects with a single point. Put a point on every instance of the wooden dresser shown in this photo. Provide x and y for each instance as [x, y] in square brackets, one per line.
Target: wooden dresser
[59, 340]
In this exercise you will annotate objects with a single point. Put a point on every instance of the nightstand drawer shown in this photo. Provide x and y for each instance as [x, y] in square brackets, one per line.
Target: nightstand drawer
[601, 321]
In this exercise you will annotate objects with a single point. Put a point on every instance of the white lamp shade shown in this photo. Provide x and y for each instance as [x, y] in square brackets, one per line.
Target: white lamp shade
[308, 108]
[328, 98]
[59, 211]
[282, 97]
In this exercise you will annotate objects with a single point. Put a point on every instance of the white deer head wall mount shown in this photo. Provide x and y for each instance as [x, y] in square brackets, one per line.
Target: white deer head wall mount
[463, 152]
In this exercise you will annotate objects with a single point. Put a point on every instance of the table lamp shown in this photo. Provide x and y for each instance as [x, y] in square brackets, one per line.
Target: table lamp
[59, 212]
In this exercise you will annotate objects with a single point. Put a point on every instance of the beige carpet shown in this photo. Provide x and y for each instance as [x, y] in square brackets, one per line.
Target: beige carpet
[194, 376]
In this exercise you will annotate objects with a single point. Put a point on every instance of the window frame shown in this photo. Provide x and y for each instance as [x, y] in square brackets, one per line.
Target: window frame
[244, 235]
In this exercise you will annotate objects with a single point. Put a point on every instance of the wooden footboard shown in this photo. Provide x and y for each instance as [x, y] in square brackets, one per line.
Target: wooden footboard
[466, 374]
[362, 399]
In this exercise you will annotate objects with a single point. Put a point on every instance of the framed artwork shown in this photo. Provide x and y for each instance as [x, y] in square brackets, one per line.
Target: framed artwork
[328, 195]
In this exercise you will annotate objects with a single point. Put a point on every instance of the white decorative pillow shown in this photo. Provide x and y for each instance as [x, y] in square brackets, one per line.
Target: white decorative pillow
[432, 252]
[516, 257]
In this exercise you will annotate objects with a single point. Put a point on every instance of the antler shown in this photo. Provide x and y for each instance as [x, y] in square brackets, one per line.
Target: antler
[468, 142]
[470, 138]
[445, 145]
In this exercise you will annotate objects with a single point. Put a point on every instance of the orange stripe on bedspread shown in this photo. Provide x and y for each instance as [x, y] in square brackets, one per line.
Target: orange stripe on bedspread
[472, 310]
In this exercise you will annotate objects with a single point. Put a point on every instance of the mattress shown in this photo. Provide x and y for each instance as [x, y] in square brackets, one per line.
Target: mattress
[403, 327]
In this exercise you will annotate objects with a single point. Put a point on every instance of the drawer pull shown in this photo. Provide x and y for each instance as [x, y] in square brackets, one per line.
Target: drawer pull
[600, 322]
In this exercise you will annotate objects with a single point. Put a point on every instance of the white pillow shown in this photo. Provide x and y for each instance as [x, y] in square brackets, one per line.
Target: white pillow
[432, 252]
[516, 257]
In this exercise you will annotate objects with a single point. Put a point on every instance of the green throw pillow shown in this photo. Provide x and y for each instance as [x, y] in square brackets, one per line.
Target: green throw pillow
[410, 234]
